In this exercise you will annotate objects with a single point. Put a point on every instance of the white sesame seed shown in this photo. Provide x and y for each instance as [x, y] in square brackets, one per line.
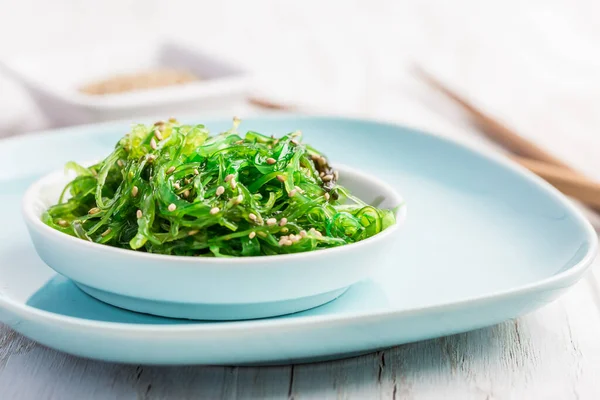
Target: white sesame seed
[176, 186]
[319, 234]
[271, 160]
[106, 232]
[229, 177]
[283, 221]
[295, 238]
[298, 188]
[233, 183]
[281, 178]
[292, 192]
[158, 135]
[151, 157]
[220, 190]
[252, 234]
[294, 141]
[327, 178]
[336, 175]
[172, 207]
[120, 163]
[62, 222]
[214, 210]
[134, 191]
[170, 170]
[196, 172]
[94, 210]
[288, 242]
[139, 214]
[186, 193]
[158, 123]
[322, 174]
[315, 157]
[153, 144]
[252, 217]
[239, 199]
[271, 221]
[327, 196]
[193, 232]
[303, 233]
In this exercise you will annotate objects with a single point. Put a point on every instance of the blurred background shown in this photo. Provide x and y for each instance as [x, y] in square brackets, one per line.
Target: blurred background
[534, 65]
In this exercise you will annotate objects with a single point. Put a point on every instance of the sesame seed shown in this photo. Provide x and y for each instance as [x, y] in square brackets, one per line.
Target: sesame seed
[239, 141]
[336, 175]
[193, 232]
[62, 222]
[158, 123]
[281, 178]
[295, 238]
[327, 196]
[153, 144]
[252, 234]
[271, 221]
[322, 174]
[319, 234]
[172, 207]
[233, 183]
[186, 193]
[315, 157]
[271, 160]
[214, 210]
[284, 230]
[220, 190]
[303, 233]
[134, 191]
[292, 192]
[327, 178]
[262, 234]
[158, 135]
[139, 214]
[196, 172]
[283, 221]
[229, 177]
[322, 161]
[151, 157]
[252, 217]
[288, 242]
[120, 163]
[106, 232]
[294, 141]
[239, 199]
[176, 186]
[94, 210]
[170, 170]
[172, 120]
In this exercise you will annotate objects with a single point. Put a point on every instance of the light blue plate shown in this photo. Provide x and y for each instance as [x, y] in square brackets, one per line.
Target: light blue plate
[484, 241]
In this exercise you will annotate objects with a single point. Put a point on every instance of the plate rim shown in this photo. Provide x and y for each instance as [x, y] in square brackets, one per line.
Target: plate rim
[23, 310]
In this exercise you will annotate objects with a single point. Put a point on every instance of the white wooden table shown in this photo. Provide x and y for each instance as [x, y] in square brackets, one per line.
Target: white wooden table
[535, 66]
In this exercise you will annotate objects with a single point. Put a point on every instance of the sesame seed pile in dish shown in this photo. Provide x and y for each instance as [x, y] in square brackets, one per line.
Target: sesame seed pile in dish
[175, 189]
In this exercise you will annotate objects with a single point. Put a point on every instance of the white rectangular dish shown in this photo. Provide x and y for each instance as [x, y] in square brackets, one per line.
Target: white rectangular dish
[54, 79]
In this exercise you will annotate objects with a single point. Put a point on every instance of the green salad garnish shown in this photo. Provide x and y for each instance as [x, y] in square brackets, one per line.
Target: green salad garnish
[175, 189]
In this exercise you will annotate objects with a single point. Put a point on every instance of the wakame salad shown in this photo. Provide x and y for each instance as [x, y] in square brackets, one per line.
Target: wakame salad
[176, 189]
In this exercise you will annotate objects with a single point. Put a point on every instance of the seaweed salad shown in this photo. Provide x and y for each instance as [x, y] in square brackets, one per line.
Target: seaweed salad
[176, 189]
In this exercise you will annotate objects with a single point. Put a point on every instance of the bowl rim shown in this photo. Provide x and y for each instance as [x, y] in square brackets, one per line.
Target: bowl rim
[34, 221]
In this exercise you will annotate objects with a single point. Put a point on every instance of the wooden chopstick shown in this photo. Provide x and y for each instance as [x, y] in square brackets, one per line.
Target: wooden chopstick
[493, 129]
[569, 182]
[528, 154]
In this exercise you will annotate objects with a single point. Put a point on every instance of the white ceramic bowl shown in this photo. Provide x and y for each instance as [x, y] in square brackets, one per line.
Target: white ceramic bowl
[53, 80]
[211, 288]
